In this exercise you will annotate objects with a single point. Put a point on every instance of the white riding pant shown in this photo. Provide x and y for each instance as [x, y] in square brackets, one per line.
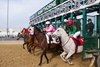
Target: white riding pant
[77, 34]
[47, 36]
[49, 33]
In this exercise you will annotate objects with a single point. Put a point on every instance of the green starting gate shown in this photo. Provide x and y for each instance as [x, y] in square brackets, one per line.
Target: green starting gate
[59, 10]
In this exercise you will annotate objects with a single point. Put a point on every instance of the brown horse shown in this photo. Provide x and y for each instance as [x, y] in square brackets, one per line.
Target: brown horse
[28, 40]
[41, 42]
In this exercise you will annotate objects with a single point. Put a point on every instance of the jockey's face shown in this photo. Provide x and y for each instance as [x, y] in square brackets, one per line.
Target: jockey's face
[48, 24]
[69, 26]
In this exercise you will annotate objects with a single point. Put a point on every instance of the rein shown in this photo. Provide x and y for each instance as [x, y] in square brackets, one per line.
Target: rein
[66, 42]
[36, 37]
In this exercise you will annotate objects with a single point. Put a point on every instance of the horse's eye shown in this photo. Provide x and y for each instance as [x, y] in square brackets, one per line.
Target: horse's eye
[57, 30]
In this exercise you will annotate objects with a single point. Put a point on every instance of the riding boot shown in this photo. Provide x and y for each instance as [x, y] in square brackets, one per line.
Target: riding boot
[49, 42]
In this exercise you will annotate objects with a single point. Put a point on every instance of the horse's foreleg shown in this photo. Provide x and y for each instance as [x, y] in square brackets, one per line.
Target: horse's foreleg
[23, 45]
[46, 57]
[18, 38]
[28, 47]
[62, 55]
[41, 58]
[68, 56]
[34, 50]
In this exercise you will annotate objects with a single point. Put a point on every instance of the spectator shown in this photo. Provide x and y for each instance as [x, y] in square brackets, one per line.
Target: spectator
[89, 27]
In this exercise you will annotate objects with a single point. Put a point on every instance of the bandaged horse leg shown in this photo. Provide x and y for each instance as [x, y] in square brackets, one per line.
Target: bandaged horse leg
[68, 56]
[62, 55]
[76, 34]
[54, 40]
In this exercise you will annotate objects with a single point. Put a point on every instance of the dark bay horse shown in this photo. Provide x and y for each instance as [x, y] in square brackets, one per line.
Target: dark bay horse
[42, 43]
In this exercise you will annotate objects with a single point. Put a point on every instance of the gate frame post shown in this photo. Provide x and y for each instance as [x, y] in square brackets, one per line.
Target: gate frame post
[56, 24]
[62, 21]
[84, 22]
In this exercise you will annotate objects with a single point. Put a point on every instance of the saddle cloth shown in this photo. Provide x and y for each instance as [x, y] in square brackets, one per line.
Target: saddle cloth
[80, 41]
[53, 39]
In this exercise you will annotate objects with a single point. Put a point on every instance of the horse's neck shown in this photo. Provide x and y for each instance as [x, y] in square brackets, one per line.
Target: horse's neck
[64, 38]
[40, 37]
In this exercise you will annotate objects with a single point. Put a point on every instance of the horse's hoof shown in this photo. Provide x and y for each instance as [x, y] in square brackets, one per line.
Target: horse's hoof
[23, 47]
[34, 54]
[39, 64]
[90, 65]
[71, 63]
[47, 62]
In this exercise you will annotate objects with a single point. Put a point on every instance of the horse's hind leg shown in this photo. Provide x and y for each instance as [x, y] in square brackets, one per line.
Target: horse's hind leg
[92, 61]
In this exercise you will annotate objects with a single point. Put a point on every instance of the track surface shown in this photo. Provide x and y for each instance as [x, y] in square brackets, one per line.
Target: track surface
[13, 55]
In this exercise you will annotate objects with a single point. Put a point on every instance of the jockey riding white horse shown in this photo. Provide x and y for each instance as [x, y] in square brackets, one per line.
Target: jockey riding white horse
[68, 46]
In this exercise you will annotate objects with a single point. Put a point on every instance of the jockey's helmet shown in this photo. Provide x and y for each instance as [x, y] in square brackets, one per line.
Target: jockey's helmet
[48, 22]
[70, 22]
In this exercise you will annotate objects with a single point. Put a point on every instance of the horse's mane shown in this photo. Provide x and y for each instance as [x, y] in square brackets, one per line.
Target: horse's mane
[38, 29]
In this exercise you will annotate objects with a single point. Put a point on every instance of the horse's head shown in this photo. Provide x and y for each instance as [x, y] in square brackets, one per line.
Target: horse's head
[60, 31]
[19, 36]
[37, 30]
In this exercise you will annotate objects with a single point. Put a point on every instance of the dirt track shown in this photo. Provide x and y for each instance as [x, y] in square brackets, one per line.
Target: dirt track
[13, 55]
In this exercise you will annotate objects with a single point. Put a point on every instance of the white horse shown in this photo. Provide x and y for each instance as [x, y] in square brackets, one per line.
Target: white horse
[68, 46]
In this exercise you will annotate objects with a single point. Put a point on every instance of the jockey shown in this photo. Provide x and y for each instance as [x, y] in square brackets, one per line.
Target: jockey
[50, 30]
[72, 29]
[31, 29]
[25, 31]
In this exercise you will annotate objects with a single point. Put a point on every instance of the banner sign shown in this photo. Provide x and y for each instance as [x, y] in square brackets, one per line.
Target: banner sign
[62, 8]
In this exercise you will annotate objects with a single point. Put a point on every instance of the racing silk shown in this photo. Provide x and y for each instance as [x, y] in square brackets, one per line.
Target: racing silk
[72, 30]
[26, 31]
[50, 28]
[31, 29]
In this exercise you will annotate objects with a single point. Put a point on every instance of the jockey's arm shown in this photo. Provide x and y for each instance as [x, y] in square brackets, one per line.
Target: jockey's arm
[50, 28]
[74, 29]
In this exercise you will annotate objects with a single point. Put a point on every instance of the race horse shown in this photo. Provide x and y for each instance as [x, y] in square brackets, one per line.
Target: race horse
[40, 36]
[69, 46]
[28, 40]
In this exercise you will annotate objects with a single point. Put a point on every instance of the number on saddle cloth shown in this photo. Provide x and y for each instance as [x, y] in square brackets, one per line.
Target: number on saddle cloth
[55, 39]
